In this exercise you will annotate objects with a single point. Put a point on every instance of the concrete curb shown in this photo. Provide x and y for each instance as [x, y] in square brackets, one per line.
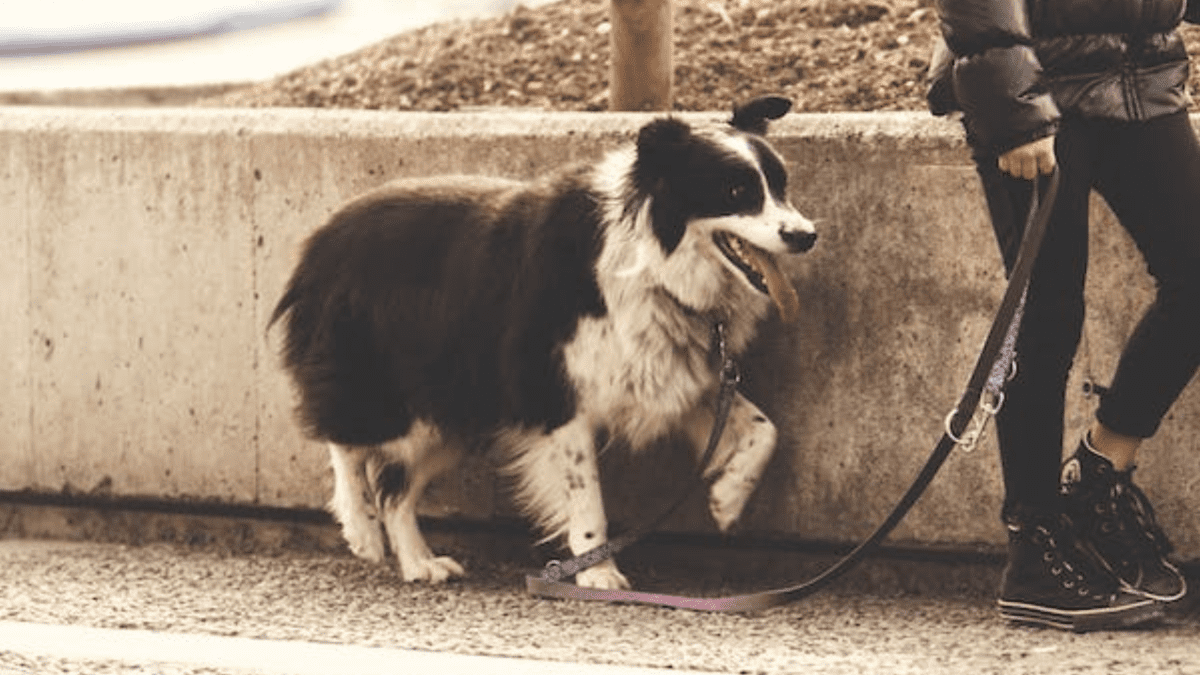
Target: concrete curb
[150, 245]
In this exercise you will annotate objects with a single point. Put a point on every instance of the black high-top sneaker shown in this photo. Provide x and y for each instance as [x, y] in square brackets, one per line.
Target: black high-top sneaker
[1116, 520]
[1053, 581]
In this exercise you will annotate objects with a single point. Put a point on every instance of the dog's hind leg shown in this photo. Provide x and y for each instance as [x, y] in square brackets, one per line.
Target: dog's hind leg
[559, 484]
[739, 460]
[411, 463]
[354, 502]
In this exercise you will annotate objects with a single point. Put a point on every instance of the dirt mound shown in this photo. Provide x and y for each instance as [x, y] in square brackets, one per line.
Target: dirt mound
[825, 54]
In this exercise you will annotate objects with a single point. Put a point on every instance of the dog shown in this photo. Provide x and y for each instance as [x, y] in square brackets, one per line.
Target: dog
[547, 320]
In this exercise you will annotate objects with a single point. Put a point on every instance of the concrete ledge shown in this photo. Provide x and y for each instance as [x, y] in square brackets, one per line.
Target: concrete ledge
[147, 247]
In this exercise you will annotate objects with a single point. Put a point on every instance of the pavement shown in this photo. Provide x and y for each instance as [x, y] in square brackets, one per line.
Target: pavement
[79, 607]
[235, 57]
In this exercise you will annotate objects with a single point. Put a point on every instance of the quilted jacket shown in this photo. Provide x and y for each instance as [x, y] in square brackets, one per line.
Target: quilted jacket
[1014, 67]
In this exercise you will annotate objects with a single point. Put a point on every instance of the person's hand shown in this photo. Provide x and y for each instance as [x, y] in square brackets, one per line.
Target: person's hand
[1030, 159]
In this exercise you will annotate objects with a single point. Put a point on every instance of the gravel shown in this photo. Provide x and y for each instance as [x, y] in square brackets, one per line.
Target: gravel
[826, 54]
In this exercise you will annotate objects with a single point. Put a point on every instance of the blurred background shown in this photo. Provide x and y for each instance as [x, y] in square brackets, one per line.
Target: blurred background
[85, 44]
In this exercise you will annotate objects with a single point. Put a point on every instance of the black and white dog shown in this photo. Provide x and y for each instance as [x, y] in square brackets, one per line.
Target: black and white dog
[433, 317]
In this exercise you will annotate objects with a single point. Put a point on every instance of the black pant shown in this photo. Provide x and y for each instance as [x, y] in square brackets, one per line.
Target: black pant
[1149, 174]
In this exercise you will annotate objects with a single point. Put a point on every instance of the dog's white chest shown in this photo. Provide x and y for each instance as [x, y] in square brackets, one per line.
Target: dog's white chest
[635, 377]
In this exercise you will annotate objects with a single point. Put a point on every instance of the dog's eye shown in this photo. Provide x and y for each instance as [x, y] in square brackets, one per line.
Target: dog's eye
[737, 193]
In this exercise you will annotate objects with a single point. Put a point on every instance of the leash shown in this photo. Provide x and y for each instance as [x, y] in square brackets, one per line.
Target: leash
[981, 399]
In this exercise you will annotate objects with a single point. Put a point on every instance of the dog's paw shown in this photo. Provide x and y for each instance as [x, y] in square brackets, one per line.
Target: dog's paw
[369, 551]
[604, 576]
[434, 570]
[727, 499]
[365, 539]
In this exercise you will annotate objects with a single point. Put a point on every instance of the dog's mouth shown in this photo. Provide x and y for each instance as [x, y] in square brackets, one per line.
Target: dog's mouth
[761, 270]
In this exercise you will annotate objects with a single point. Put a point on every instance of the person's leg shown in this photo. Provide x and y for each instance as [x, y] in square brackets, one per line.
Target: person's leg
[1120, 449]
[1152, 183]
[1030, 424]
[1049, 579]
[1150, 177]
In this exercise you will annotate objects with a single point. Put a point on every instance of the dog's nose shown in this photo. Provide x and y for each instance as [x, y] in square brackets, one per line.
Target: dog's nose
[798, 241]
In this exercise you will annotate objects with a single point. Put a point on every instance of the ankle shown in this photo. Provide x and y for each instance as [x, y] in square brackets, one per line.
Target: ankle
[1117, 448]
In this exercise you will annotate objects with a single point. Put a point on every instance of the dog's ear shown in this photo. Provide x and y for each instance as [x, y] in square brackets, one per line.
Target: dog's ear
[753, 116]
[660, 145]
[663, 147]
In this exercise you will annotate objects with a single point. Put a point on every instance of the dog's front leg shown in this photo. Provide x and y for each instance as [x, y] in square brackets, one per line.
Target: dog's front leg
[739, 460]
[587, 526]
[559, 486]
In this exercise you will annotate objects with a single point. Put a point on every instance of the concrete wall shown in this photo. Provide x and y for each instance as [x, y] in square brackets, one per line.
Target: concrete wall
[145, 249]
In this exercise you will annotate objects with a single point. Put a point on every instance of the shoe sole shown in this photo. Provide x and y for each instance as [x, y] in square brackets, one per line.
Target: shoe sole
[1082, 620]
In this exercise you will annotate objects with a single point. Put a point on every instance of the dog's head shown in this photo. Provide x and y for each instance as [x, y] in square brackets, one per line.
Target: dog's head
[719, 195]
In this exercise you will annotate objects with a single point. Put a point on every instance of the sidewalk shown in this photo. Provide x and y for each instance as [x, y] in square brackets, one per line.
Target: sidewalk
[237, 57]
[173, 609]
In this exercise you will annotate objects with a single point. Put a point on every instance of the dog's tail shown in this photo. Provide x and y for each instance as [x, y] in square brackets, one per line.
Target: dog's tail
[285, 303]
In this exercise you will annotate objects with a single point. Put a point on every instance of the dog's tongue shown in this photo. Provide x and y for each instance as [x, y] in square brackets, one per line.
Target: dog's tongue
[781, 290]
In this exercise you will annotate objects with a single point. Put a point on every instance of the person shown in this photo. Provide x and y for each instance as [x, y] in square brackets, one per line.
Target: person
[1098, 90]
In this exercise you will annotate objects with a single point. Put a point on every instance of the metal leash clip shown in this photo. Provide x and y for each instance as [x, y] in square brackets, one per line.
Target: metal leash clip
[1004, 370]
[729, 373]
[976, 428]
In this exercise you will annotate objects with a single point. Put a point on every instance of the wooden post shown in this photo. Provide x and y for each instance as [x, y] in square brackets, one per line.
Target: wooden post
[642, 71]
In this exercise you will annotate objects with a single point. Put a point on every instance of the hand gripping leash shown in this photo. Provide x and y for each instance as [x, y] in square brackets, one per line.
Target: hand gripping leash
[993, 368]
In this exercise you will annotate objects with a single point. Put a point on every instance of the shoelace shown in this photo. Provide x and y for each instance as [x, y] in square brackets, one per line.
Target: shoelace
[1073, 575]
[1132, 503]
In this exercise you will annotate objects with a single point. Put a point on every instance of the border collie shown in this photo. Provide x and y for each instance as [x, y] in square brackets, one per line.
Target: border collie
[547, 319]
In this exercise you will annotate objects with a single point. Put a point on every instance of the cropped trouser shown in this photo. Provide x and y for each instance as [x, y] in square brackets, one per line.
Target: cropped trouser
[1149, 174]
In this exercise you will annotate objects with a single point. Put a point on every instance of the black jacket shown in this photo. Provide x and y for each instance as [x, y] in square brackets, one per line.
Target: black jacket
[1015, 66]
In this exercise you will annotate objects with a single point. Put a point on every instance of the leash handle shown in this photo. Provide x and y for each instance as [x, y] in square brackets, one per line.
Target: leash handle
[996, 356]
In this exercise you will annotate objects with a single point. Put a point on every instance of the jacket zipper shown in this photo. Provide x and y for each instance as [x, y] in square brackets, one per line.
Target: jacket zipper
[1129, 71]
[1133, 103]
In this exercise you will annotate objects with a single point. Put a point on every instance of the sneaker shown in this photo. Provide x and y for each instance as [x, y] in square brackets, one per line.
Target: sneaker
[1117, 521]
[1052, 581]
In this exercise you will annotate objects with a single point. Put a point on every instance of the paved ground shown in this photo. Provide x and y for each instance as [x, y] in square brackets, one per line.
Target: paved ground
[174, 609]
[237, 57]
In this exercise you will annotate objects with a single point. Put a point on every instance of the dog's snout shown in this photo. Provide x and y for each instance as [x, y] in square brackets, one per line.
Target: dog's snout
[798, 241]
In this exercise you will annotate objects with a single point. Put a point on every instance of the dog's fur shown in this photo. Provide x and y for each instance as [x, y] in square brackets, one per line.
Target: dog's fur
[433, 317]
